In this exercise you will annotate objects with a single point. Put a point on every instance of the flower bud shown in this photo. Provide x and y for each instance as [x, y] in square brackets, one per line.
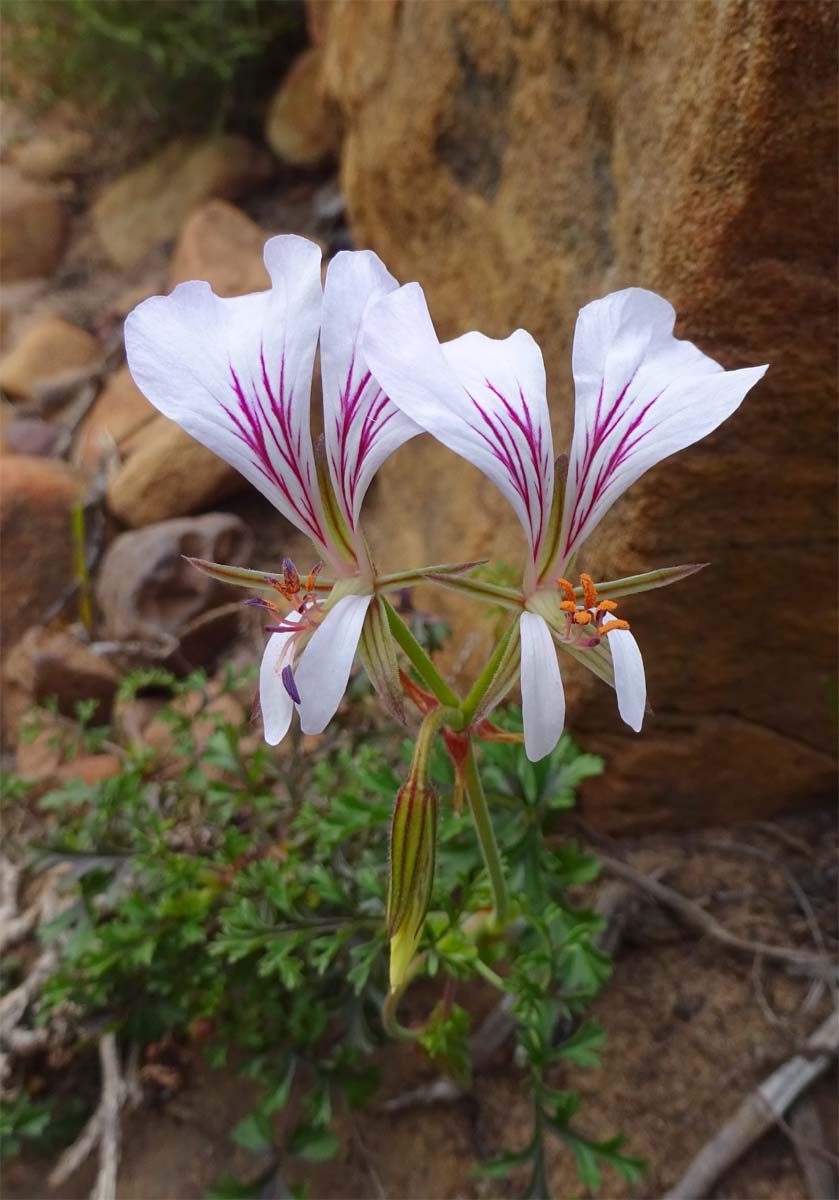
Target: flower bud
[413, 842]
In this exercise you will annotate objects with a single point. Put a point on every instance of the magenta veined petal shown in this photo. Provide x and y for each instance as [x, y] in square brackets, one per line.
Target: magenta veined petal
[236, 375]
[542, 693]
[362, 427]
[641, 395]
[484, 399]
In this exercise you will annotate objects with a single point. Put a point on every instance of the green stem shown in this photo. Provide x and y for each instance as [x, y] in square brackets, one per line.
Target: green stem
[486, 837]
[419, 658]
[391, 1025]
[478, 691]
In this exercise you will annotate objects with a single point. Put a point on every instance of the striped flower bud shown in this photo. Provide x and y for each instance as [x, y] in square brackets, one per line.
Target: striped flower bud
[413, 843]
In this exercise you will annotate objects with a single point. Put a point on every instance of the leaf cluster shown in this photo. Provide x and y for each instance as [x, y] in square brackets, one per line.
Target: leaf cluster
[179, 64]
[237, 905]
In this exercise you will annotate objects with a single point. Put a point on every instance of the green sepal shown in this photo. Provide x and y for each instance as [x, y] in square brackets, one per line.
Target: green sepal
[631, 585]
[378, 655]
[478, 589]
[246, 577]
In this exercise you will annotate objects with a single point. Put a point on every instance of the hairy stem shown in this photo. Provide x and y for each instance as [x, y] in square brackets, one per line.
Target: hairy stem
[429, 673]
[486, 837]
[479, 688]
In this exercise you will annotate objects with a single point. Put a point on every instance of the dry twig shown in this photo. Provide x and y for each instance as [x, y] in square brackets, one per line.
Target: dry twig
[808, 1140]
[14, 924]
[760, 1110]
[697, 918]
[102, 1129]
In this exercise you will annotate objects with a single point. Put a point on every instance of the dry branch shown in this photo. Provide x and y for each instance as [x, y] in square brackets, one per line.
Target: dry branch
[697, 918]
[102, 1130]
[808, 1140]
[760, 1111]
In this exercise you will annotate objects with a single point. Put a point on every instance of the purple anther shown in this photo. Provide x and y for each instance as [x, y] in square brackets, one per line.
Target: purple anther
[290, 685]
[291, 579]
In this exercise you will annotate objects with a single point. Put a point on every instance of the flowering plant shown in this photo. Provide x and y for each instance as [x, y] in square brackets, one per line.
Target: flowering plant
[236, 374]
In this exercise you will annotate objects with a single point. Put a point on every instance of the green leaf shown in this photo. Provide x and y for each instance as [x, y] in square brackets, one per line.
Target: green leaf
[313, 1144]
[254, 1133]
[582, 1047]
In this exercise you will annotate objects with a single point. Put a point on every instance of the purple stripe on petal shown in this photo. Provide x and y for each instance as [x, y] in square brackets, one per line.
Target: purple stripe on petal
[263, 423]
[519, 446]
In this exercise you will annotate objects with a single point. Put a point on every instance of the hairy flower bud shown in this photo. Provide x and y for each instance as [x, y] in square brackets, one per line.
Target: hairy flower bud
[413, 843]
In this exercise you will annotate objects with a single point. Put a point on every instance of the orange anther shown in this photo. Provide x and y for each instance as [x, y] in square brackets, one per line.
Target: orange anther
[568, 589]
[582, 617]
[589, 591]
[607, 606]
[610, 625]
[568, 606]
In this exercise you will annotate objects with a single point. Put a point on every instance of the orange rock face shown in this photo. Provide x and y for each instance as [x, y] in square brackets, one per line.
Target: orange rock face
[536, 156]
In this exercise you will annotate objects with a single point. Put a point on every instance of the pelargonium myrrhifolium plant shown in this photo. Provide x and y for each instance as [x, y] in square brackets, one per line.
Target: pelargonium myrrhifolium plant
[236, 374]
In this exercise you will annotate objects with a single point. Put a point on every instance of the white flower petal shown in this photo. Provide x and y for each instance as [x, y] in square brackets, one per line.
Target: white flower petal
[542, 694]
[361, 425]
[641, 395]
[482, 398]
[236, 374]
[275, 702]
[325, 665]
[630, 682]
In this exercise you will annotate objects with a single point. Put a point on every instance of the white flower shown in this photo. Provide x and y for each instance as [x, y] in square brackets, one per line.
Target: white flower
[641, 395]
[236, 374]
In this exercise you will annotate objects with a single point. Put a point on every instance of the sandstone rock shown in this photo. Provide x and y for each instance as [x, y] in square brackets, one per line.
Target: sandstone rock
[147, 206]
[53, 153]
[49, 350]
[222, 245]
[146, 589]
[117, 418]
[37, 496]
[169, 474]
[33, 227]
[556, 152]
[49, 663]
[303, 126]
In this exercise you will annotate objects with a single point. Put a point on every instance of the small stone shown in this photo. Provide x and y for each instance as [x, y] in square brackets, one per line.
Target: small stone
[48, 663]
[147, 206]
[169, 474]
[222, 245]
[38, 757]
[33, 227]
[303, 127]
[51, 155]
[206, 713]
[47, 351]
[89, 769]
[30, 435]
[148, 592]
[37, 496]
[117, 419]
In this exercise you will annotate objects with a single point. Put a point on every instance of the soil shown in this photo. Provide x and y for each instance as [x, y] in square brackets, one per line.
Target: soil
[692, 1028]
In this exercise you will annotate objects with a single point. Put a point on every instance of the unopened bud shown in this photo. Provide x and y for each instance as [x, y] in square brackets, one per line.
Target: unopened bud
[413, 843]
